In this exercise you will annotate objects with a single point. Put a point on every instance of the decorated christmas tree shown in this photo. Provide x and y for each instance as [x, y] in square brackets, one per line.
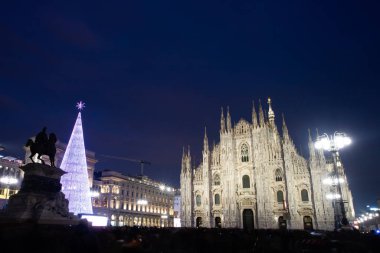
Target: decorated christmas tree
[75, 184]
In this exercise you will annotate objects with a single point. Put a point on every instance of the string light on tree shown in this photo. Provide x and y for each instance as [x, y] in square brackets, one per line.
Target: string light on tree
[75, 184]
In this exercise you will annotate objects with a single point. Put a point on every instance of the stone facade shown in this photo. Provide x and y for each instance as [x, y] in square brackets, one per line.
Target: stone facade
[255, 178]
[133, 201]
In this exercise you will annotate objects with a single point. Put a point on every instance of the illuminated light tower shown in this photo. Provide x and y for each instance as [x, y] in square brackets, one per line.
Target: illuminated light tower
[333, 144]
[75, 184]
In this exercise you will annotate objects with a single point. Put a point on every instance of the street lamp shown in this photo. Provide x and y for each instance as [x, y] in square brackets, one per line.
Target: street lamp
[333, 144]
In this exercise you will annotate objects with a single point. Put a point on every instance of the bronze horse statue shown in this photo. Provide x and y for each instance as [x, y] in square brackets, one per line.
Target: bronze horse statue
[43, 146]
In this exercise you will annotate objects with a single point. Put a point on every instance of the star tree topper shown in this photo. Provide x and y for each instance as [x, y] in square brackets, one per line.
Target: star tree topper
[80, 105]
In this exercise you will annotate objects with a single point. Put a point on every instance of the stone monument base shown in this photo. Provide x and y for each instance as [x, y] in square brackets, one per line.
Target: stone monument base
[40, 199]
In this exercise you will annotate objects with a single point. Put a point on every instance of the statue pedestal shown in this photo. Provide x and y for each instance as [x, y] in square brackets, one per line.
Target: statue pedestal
[40, 199]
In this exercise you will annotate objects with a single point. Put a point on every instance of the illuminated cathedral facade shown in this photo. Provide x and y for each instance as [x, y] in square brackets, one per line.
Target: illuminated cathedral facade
[255, 178]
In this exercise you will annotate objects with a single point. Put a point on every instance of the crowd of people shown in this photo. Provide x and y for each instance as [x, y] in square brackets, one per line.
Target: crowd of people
[83, 238]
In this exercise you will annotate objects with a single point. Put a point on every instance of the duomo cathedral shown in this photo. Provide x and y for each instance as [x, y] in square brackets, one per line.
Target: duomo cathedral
[255, 178]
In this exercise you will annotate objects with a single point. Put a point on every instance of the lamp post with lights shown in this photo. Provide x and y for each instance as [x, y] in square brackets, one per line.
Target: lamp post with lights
[333, 144]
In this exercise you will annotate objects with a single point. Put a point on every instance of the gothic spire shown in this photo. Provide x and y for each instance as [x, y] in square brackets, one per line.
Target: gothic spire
[311, 146]
[183, 159]
[229, 128]
[222, 122]
[254, 115]
[270, 113]
[205, 141]
[285, 132]
[310, 139]
[320, 152]
[261, 115]
[188, 160]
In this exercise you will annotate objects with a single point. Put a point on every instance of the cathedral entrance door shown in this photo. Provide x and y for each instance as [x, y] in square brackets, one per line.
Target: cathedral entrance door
[218, 222]
[307, 223]
[198, 222]
[248, 219]
[282, 223]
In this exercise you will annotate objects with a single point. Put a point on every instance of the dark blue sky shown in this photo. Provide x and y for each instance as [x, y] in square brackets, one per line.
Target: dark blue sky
[154, 73]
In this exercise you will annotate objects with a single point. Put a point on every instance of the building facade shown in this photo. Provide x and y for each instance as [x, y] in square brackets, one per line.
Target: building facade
[255, 178]
[177, 208]
[11, 177]
[133, 201]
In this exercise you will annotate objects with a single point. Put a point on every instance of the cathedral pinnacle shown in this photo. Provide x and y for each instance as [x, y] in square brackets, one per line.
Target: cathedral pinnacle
[254, 115]
[229, 128]
[222, 122]
[188, 160]
[311, 147]
[261, 115]
[285, 132]
[205, 141]
[183, 158]
[270, 112]
[310, 139]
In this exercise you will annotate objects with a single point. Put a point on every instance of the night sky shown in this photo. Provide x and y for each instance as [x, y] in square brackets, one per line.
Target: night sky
[154, 73]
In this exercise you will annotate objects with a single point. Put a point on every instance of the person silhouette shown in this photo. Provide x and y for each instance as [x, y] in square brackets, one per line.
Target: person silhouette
[41, 137]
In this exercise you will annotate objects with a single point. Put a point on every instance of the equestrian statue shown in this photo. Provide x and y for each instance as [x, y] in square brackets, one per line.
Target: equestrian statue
[43, 146]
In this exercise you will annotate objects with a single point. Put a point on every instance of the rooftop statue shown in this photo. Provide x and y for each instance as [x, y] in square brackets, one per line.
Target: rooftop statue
[43, 146]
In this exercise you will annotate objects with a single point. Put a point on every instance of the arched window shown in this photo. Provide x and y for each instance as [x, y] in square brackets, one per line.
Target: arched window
[121, 221]
[216, 179]
[280, 196]
[113, 203]
[244, 153]
[278, 175]
[246, 182]
[304, 195]
[198, 200]
[217, 199]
